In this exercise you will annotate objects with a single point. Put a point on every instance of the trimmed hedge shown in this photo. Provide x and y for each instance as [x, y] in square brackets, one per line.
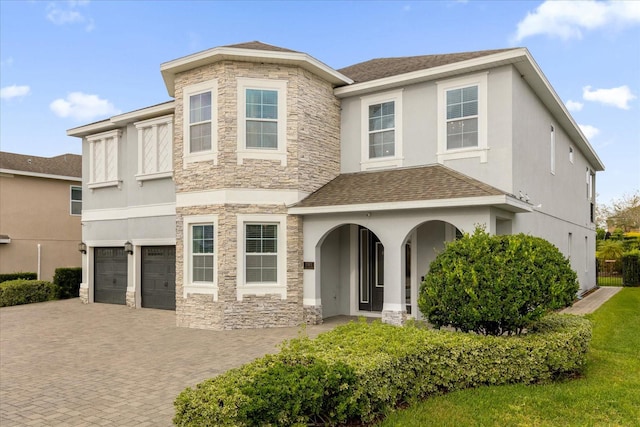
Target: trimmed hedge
[361, 371]
[5, 277]
[631, 268]
[68, 282]
[16, 292]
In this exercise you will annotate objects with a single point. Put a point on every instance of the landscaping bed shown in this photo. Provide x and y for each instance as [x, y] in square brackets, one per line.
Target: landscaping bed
[362, 371]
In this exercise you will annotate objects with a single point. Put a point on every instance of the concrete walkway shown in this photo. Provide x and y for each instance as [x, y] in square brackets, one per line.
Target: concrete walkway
[63, 363]
[593, 301]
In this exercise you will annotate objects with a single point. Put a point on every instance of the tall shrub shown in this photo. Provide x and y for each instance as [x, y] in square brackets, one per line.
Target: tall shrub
[631, 268]
[68, 282]
[496, 285]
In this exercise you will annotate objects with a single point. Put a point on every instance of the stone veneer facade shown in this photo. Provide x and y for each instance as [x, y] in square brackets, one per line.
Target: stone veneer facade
[313, 159]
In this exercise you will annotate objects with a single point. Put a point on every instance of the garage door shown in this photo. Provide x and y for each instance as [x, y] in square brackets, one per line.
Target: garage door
[159, 277]
[110, 279]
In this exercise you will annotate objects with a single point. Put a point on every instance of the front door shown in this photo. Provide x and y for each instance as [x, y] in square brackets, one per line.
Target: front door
[371, 291]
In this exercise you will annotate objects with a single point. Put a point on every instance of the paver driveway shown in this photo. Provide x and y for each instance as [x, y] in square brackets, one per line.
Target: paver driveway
[66, 363]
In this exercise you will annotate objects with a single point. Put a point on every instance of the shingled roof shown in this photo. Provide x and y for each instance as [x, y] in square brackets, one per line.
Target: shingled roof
[386, 67]
[69, 165]
[433, 182]
[256, 45]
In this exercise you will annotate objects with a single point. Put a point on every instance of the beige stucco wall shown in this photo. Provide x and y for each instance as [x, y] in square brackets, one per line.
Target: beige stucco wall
[36, 211]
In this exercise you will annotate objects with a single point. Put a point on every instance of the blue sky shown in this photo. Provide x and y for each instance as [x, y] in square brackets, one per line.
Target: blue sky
[68, 63]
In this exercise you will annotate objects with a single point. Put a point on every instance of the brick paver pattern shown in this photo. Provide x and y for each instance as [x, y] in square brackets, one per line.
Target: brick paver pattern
[66, 363]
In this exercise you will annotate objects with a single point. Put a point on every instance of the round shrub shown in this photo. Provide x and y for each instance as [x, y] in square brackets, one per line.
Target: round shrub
[496, 285]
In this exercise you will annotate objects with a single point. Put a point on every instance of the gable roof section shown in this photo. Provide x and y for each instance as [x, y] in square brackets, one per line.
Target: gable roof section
[414, 187]
[65, 166]
[254, 51]
[393, 74]
[386, 67]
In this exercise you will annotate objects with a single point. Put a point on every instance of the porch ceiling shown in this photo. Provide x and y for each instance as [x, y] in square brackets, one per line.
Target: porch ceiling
[405, 188]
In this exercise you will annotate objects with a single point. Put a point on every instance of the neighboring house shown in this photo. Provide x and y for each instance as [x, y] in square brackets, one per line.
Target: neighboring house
[40, 208]
[274, 189]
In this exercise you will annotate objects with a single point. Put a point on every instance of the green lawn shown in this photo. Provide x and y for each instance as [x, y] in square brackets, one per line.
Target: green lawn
[608, 393]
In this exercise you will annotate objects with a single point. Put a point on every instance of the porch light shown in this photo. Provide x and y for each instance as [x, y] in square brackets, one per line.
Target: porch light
[128, 248]
[82, 247]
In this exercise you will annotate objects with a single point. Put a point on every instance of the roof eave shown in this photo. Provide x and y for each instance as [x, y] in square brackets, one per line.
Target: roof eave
[303, 60]
[122, 119]
[41, 175]
[443, 71]
[505, 202]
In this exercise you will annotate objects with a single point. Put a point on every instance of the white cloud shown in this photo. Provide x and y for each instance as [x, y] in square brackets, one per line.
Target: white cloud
[574, 105]
[617, 96]
[14, 91]
[82, 106]
[568, 19]
[69, 14]
[589, 131]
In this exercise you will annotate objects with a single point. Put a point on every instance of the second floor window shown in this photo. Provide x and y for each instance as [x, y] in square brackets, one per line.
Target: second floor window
[382, 130]
[200, 122]
[462, 117]
[76, 200]
[262, 118]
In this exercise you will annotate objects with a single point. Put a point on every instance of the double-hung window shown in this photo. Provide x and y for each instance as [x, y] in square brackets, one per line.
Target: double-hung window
[202, 252]
[200, 121]
[76, 200]
[262, 114]
[462, 118]
[262, 255]
[261, 248]
[199, 260]
[381, 130]
[262, 119]
[382, 141]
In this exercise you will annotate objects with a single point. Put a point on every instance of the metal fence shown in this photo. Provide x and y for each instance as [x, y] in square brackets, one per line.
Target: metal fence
[617, 273]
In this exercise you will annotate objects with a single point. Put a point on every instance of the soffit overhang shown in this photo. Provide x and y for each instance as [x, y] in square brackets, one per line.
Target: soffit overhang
[211, 56]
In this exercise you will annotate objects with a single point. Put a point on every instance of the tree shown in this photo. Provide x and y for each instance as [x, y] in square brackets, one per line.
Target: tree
[623, 212]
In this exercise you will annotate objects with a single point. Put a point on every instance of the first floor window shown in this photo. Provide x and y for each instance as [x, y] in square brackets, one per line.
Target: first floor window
[261, 252]
[202, 252]
[462, 117]
[76, 200]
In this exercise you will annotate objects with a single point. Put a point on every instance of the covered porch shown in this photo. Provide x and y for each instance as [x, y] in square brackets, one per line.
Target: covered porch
[369, 257]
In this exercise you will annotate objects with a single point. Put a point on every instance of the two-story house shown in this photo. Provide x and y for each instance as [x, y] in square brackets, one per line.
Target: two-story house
[40, 208]
[274, 190]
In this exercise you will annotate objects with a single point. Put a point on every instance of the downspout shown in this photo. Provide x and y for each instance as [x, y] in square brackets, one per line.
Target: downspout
[39, 258]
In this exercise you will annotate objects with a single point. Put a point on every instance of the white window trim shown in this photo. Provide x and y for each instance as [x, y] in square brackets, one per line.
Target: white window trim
[552, 150]
[381, 162]
[279, 154]
[95, 139]
[191, 287]
[71, 187]
[280, 287]
[200, 156]
[153, 123]
[482, 149]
